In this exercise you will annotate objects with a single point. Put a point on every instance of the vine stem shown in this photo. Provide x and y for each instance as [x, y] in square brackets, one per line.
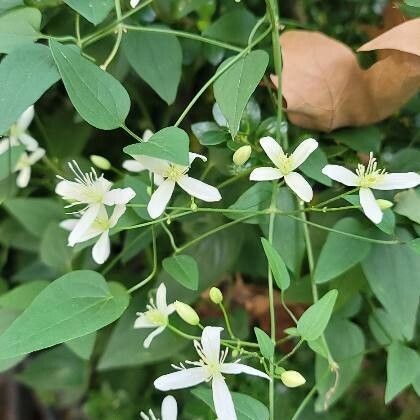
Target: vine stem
[117, 44]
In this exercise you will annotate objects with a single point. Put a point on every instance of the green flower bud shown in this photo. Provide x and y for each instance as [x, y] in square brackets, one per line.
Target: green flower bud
[279, 370]
[384, 204]
[187, 313]
[292, 379]
[100, 162]
[216, 295]
[241, 156]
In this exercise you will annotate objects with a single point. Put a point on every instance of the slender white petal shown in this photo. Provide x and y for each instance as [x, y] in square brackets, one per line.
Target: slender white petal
[199, 189]
[161, 298]
[26, 118]
[237, 368]
[184, 378]
[210, 340]
[118, 196]
[223, 403]
[102, 248]
[169, 408]
[370, 206]
[119, 210]
[157, 166]
[36, 156]
[303, 151]
[70, 190]
[299, 185]
[23, 177]
[398, 181]
[147, 134]
[134, 3]
[272, 149]
[151, 336]
[341, 174]
[84, 223]
[69, 224]
[133, 165]
[160, 198]
[193, 156]
[28, 141]
[143, 322]
[265, 174]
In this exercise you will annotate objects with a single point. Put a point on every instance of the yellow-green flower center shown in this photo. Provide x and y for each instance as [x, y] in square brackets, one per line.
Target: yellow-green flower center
[285, 164]
[101, 223]
[369, 175]
[156, 317]
[174, 172]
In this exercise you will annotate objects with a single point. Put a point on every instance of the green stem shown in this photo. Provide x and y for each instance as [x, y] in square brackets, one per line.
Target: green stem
[293, 351]
[170, 236]
[323, 203]
[304, 402]
[227, 321]
[131, 133]
[77, 29]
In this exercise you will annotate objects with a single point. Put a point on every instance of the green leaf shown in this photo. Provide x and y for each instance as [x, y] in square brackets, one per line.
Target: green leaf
[25, 74]
[347, 344]
[9, 4]
[312, 167]
[170, 143]
[19, 27]
[393, 273]
[157, 59]
[415, 245]
[412, 3]
[42, 212]
[402, 367]
[209, 133]
[233, 88]
[20, 297]
[340, 252]
[384, 328]
[95, 11]
[141, 197]
[82, 346]
[246, 407]
[408, 204]
[315, 319]
[183, 269]
[277, 265]
[9, 159]
[72, 306]
[98, 97]
[361, 139]
[265, 343]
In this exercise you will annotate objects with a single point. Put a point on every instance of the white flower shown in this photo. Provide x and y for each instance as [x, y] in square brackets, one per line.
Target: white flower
[172, 174]
[92, 191]
[134, 3]
[285, 166]
[23, 166]
[368, 178]
[100, 227]
[169, 410]
[211, 367]
[156, 315]
[133, 165]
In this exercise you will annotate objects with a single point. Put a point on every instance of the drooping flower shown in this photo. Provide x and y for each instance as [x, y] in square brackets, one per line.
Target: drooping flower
[93, 192]
[133, 165]
[100, 226]
[169, 410]
[210, 367]
[172, 174]
[370, 177]
[286, 165]
[23, 166]
[156, 315]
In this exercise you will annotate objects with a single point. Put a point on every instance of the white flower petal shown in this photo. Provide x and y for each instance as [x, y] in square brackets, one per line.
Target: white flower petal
[70, 190]
[134, 3]
[26, 118]
[223, 403]
[169, 408]
[181, 379]
[303, 151]
[341, 174]
[161, 298]
[160, 198]
[147, 133]
[237, 368]
[265, 174]
[102, 248]
[68, 224]
[84, 223]
[151, 336]
[272, 149]
[119, 210]
[23, 177]
[199, 189]
[398, 181]
[157, 166]
[193, 156]
[210, 341]
[370, 206]
[133, 165]
[118, 196]
[299, 185]
[36, 156]
[28, 141]
[143, 322]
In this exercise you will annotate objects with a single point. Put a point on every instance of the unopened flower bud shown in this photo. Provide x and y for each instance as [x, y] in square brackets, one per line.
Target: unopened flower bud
[235, 353]
[187, 313]
[216, 295]
[100, 162]
[193, 206]
[241, 156]
[384, 204]
[292, 379]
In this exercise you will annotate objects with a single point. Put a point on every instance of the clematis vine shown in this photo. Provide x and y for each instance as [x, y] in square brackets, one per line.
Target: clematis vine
[171, 174]
[156, 315]
[285, 166]
[370, 177]
[169, 410]
[210, 368]
[24, 164]
[133, 165]
[93, 192]
[99, 227]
